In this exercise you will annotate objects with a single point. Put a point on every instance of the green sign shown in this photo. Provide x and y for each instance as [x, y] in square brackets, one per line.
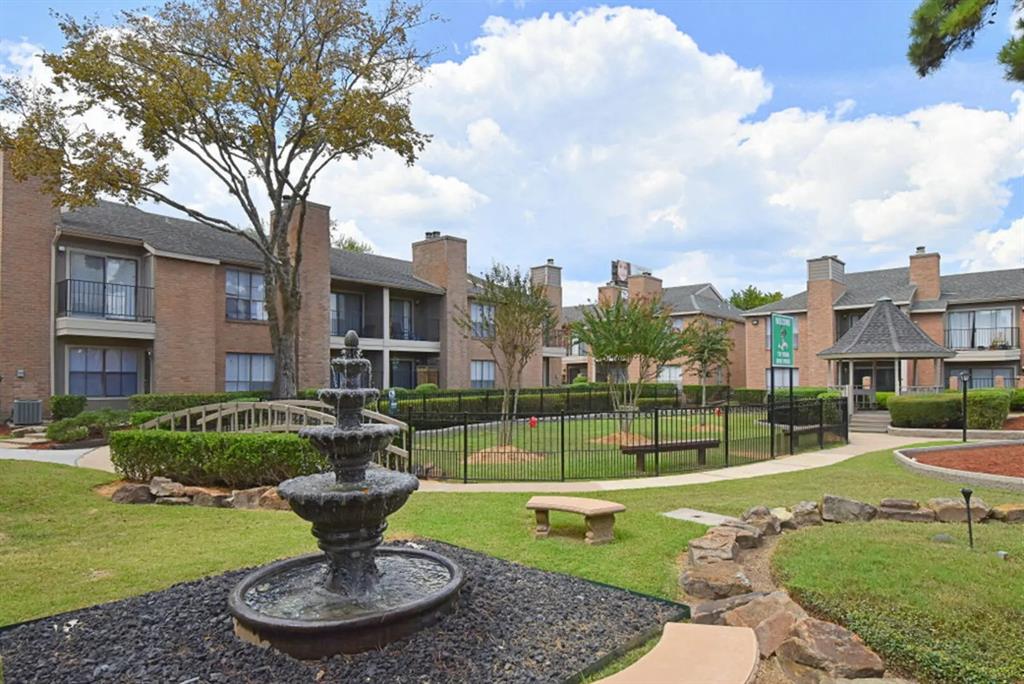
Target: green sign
[782, 340]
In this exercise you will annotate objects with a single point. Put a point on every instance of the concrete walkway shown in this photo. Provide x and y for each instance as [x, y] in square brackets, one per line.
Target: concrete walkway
[860, 443]
[97, 458]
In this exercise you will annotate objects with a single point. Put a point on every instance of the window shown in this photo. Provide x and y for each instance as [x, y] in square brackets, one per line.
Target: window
[346, 313]
[983, 378]
[671, 374]
[481, 374]
[102, 286]
[981, 329]
[781, 378]
[246, 296]
[768, 333]
[95, 372]
[577, 348]
[482, 319]
[244, 372]
[401, 320]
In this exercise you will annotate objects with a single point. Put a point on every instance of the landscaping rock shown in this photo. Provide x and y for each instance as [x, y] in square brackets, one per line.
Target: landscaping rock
[761, 518]
[785, 518]
[772, 618]
[905, 513]
[247, 498]
[806, 513]
[717, 544]
[132, 493]
[428, 471]
[715, 580]
[943, 538]
[830, 648]
[211, 500]
[839, 509]
[902, 504]
[747, 536]
[1009, 512]
[165, 486]
[271, 500]
[173, 501]
[711, 612]
[955, 510]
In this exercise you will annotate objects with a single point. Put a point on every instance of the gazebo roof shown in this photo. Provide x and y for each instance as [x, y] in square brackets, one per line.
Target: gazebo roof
[885, 332]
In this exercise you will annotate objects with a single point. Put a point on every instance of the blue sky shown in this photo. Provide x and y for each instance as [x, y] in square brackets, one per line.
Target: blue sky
[787, 127]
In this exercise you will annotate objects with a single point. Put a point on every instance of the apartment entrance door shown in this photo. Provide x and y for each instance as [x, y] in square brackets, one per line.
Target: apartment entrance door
[403, 373]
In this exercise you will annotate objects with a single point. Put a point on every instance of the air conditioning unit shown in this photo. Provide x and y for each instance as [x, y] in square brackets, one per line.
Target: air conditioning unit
[28, 412]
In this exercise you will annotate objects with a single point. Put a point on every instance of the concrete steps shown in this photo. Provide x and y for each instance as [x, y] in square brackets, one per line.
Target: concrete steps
[869, 421]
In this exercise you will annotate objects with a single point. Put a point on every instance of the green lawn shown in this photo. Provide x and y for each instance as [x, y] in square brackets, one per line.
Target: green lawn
[90, 550]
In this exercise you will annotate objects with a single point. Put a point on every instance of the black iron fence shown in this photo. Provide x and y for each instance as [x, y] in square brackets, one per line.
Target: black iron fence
[480, 446]
[104, 300]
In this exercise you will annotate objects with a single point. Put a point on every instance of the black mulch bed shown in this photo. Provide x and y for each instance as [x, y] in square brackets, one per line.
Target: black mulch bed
[513, 624]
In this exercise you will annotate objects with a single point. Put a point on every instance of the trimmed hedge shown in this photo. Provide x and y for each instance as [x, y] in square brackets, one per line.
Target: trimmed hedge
[88, 424]
[986, 410]
[1017, 400]
[236, 460]
[66, 405]
[166, 403]
[749, 396]
[882, 399]
[427, 388]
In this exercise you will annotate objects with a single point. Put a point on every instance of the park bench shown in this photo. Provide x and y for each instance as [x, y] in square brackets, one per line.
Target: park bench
[599, 515]
[695, 654]
[701, 446]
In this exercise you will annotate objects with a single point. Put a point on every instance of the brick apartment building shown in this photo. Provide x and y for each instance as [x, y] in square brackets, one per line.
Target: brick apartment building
[973, 318]
[109, 301]
[685, 303]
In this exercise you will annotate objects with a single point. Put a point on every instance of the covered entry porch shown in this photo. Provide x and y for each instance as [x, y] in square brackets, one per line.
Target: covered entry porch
[884, 352]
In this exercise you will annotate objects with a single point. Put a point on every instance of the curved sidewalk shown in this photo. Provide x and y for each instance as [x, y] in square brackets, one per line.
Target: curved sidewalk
[860, 443]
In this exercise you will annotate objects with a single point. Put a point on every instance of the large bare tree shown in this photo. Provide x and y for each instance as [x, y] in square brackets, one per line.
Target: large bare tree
[263, 94]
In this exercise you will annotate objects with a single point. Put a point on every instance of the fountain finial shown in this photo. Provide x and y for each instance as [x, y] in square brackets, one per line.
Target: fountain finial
[351, 340]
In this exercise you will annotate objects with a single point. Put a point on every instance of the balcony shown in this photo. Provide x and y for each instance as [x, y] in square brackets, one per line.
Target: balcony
[110, 301]
[418, 330]
[983, 339]
[368, 326]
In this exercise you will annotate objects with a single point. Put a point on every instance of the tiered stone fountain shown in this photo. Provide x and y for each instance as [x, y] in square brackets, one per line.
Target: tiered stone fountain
[354, 596]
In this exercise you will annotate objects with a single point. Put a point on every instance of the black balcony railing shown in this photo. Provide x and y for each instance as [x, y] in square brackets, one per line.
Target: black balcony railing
[92, 299]
[365, 326]
[983, 338]
[423, 329]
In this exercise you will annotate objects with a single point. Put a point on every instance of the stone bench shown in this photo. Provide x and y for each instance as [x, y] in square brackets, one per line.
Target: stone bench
[695, 654]
[599, 515]
[701, 446]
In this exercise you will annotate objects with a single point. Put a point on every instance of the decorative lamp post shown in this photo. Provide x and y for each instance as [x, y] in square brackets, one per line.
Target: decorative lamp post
[964, 378]
[970, 525]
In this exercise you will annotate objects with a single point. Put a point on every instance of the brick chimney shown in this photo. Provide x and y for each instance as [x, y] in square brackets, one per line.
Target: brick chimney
[826, 282]
[924, 273]
[28, 222]
[442, 260]
[314, 349]
[608, 294]
[549, 276]
[644, 286]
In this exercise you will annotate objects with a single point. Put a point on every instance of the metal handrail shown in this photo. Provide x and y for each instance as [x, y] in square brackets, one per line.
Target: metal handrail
[1001, 337]
[89, 298]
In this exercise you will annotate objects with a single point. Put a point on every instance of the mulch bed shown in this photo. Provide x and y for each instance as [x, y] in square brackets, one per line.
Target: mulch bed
[1015, 423]
[503, 454]
[623, 439]
[1007, 459]
[513, 624]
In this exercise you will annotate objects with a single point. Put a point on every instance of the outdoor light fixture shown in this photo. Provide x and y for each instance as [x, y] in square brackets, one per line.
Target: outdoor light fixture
[970, 526]
[964, 377]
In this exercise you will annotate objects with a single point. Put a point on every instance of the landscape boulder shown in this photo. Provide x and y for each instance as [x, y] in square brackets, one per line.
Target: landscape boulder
[955, 510]
[211, 499]
[711, 612]
[165, 486]
[715, 580]
[1009, 512]
[840, 509]
[761, 518]
[173, 501]
[132, 493]
[772, 617]
[747, 536]
[904, 510]
[247, 498]
[717, 544]
[806, 513]
[785, 518]
[271, 500]
[827, 647]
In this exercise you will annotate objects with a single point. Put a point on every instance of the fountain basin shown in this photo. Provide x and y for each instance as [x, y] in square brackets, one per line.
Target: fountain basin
[275, 606]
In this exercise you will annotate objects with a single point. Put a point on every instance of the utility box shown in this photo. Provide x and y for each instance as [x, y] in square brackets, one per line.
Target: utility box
[28, 412]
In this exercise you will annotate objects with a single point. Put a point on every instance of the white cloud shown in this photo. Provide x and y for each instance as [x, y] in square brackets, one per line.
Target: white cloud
[579, 292]
[995, 249]
[609, 133]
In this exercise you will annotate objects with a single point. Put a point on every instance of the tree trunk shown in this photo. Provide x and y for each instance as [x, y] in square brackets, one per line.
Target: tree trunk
[505, 433]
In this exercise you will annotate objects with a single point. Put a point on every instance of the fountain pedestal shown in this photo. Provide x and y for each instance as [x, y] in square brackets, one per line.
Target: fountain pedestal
[354, 596]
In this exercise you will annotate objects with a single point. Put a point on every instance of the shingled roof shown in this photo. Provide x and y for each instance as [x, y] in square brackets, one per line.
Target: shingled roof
[111, 220]
[885, 331]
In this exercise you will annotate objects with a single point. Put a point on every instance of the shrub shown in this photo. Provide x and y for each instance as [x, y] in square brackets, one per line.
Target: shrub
[831, 409]
[748, 396]
[987, 409]
[714, 393]
[66, 406]
[882, 399]
[237, 460]
[1017, 399]
[427, 388]
[925, 410]
[580, 379]
[799, 392]
[166, 403]
[139, 417]
[93, 423]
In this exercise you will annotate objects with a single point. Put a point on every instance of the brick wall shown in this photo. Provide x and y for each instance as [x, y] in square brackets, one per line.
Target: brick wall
[757, 358]
[924, 272]
[27, 226]
[315, 285]
[188, 299]
[818, 331]
[441, 260]
[933, 326]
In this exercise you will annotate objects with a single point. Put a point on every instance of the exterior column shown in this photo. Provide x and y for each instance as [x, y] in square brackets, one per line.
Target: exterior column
[849, 389]
[385, 308]
[385, 371]
[899, 376]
